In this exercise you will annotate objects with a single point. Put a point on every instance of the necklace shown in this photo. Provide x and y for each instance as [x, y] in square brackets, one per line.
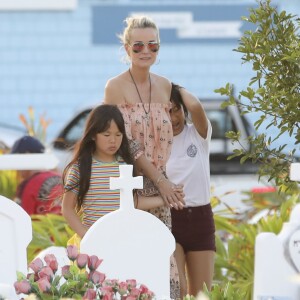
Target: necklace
[146, 112]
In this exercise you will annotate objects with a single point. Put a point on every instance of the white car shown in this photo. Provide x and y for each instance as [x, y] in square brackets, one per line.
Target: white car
[8, 135]
[222, 120]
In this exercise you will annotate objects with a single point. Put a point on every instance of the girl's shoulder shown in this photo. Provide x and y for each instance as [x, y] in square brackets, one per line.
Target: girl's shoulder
[74, 167]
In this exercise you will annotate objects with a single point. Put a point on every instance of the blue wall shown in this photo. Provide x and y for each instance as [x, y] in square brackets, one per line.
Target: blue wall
[59, 61]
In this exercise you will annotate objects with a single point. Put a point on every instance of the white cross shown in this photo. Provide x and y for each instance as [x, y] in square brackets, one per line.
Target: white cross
[295, 172]
[126, 183]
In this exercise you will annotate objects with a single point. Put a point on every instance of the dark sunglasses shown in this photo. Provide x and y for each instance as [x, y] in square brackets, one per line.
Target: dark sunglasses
[139, 46]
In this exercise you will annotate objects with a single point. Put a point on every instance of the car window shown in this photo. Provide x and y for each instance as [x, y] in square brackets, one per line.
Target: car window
[72, 132]
[221, 122]
[75, 132]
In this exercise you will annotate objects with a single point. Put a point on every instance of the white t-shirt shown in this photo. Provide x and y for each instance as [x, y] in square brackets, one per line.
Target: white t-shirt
[189, 165]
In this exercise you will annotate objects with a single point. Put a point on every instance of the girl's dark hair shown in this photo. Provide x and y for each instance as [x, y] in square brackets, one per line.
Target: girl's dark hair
[98, 121]
[176, 98]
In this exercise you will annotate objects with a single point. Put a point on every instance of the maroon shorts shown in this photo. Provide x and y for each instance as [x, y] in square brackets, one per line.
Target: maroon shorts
[194, 228]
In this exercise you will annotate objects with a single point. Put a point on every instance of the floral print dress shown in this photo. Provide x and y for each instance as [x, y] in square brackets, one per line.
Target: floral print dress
[151, 134]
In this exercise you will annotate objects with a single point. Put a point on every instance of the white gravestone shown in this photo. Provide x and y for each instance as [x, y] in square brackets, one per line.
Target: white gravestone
[277, 261]
[16, 234]
[28, 161]
[15, 223]
[133, 244]
[295, 171]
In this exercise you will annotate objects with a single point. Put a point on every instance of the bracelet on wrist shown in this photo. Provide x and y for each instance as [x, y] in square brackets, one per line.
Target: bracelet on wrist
[160, 178]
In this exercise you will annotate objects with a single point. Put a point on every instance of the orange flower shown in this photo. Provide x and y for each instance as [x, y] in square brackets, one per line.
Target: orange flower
[23, 120]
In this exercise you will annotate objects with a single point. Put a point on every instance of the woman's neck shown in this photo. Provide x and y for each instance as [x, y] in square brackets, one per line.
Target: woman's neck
[141, 75]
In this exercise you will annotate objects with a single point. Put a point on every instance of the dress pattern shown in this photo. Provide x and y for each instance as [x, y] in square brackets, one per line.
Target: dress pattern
[152, 136]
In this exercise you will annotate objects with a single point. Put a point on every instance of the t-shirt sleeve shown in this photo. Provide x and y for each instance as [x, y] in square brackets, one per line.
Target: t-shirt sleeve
[72, 180]
[198, 138]
[209, 130]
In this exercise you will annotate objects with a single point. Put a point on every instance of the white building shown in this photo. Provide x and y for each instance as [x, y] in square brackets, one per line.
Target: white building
[56, 55]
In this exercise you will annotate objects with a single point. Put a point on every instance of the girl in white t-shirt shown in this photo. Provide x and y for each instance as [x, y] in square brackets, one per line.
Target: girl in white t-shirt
[193, 226]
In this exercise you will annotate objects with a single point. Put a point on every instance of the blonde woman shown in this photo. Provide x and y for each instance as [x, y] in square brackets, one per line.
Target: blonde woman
[144, 100]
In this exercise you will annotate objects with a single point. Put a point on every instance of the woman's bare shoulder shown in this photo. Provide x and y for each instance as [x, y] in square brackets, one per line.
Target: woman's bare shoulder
[114, 89]
[161, 79]
[163, 88]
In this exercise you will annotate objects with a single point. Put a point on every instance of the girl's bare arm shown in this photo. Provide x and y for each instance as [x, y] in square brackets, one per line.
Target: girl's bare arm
[196, 110]
[69, 213]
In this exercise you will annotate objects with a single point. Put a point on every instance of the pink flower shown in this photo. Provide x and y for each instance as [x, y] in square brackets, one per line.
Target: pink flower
[131, 298]
[106, 292]
[106, 288]
[108, 297]
[46, 272]
[72, 252]
[65, 272]
[94, 262]
[144, 289]
[44, 284]
[36, 265]
[131, 283]
[35, 276]
[135, 292]
[82, 260]
[123, 286]
[90, 294]
[97, 277]
[51, 262]
[22, 287]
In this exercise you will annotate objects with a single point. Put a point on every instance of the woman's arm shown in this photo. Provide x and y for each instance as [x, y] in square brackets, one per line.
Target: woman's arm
[145, 203]
[69, 213]
[196, 110]
[170, 196]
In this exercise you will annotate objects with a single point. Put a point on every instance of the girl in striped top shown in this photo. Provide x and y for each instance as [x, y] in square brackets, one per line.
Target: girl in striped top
[97, 156]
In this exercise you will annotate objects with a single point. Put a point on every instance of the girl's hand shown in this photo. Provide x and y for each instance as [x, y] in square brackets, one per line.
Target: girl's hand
[172, 194]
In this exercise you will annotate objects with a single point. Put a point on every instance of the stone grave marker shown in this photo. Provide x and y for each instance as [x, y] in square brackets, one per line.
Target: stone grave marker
[133, 244]
[15, 223]
[295, 171]
[16, 234]
[28, 161]
[277, 262]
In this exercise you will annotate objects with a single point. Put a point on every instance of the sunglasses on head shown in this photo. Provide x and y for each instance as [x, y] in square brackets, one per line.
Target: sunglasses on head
[139, 46]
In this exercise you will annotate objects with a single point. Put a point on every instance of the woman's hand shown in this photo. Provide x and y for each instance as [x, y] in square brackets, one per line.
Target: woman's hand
[172, 194]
